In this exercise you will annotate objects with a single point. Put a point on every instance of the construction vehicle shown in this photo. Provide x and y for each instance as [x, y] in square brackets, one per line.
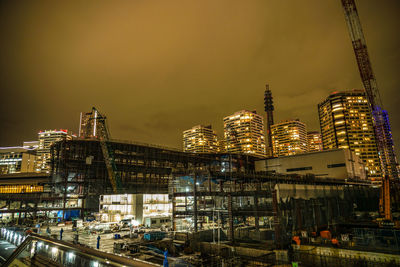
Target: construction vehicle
[96, 125]
[381, 123]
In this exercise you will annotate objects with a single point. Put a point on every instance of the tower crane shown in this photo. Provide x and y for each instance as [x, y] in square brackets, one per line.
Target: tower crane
[381, 123]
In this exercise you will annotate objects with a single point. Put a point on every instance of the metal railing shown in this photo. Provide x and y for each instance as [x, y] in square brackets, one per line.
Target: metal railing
[39, 250]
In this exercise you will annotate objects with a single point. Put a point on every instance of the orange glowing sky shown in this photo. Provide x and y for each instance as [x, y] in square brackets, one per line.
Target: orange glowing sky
[156, 68]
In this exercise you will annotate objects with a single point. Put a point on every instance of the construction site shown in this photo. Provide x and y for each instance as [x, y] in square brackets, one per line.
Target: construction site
[204, 209]
[224, 211]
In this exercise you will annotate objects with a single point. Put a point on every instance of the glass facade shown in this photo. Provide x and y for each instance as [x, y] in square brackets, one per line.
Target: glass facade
[314, 141]
[346, 122]
[200, 139]
[46, 139]
[289, 138]
[244, 133]
[17, 159]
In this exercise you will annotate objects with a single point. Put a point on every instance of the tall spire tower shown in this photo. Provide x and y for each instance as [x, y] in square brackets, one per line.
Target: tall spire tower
[269, 109]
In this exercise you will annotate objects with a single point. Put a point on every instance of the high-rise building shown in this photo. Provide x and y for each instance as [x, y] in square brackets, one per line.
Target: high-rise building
[289, 138]
[200, 139]
[221, 146]
[314, 141]
[17, 159]
[346, 122]
[244, 133]
[46, 139]
[31, 145]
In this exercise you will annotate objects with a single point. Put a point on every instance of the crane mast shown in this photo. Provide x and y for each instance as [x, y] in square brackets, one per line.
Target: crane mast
[382, 129]
[361, 53]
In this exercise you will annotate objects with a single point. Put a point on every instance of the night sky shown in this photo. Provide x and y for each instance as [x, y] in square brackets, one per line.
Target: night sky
[156, 68]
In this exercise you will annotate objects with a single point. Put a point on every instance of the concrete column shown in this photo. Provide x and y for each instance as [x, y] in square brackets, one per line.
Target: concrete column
[138, 207]
[256, 218]
[19, 213]
[230, 220]
[195, 202]
[277, 225]
[174, 210]
[299, 218]
[35, 209]
[82, 215]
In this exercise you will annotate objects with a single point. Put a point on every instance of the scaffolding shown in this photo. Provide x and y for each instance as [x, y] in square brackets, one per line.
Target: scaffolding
[79, 169]
[256, 207]
[29, 197]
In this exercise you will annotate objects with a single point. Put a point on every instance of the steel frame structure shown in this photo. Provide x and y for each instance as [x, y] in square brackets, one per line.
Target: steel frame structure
[200, 196]
[27, 205]
[79, 173]
[78, 168]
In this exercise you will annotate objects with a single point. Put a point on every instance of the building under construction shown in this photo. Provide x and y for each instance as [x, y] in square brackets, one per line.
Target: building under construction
[79, 168]
[246, 217]
[214, 196]
[282, 203]
[27, 197]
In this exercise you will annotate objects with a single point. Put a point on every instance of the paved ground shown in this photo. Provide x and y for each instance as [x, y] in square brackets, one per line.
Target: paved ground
[84, 237]
[6, 249]
[89, 239]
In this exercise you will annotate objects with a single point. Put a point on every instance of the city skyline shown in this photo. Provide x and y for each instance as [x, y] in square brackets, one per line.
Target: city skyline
[51, 99]
[200, 133]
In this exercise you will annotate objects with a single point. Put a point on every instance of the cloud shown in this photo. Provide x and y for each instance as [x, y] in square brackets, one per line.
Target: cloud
[157, 68]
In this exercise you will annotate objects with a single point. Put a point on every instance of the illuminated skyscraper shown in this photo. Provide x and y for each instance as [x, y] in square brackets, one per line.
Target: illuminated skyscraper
[289, 138]
[221, 146]
[314, 141]
[346, 122]
[46, 139]
[200, 139]
[244, 133]
[17, 159]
